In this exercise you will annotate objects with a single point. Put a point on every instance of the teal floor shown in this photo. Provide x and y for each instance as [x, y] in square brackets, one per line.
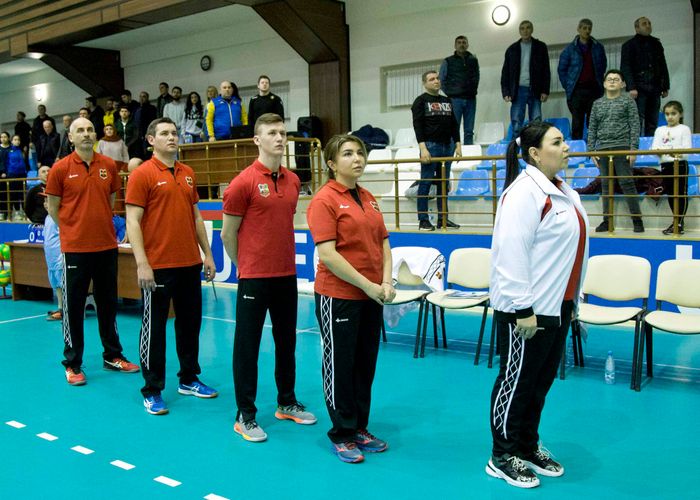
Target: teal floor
[614, 443]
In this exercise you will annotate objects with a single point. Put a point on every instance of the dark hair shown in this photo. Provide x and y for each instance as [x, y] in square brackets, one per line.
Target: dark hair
[91, 100]
[5, 133]
[199, 110]
[638, 20]
[164, 83]
[460, 37]
[263, 76]
[585, 22]
[267, 119]
[677, 105]
[151, 130]
[84, 109]
[178, 88]
[22, 113]
[148, 96]
[333, 148]
[614, 72]
[126, 92]
[123, 106]
[525, 21]
[530, 137]
[235, 93]
[424, 76]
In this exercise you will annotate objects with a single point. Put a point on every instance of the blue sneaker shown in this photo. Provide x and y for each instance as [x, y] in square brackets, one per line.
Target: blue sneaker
[369, 443]
[155, 405]
[348, 452]
[198, 389]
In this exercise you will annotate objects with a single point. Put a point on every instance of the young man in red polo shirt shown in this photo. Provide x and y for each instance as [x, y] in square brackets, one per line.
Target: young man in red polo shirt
[81, 189]
[258, 235]
[166, 232]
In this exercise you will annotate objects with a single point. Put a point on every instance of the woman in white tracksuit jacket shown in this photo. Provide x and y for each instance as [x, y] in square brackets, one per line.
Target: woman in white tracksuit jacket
[539, 253]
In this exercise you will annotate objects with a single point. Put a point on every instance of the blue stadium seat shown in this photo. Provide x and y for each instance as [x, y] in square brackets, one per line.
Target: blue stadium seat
[583, 176]
[646, 160]
[577, 146]
[36, 182]
[662, 119]
[692, 181]
[497, 149]
[694, 159]
[472, 183]
[562, 124]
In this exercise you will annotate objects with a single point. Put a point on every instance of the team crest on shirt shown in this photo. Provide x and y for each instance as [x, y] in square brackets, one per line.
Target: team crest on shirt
[189, 181]
[375, 205]
[103, 174]
[264, 190]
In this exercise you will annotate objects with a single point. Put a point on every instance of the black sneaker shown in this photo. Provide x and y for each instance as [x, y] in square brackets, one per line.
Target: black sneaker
[637, 224]
[669, 230]
[425, 225]
[603, 227]
[513, 471]
[449, 224]
[542, 463]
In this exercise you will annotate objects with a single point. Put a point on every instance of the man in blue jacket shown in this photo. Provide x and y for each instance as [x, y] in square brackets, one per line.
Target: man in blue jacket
[582, 65]
[459, 75]
[525, 77]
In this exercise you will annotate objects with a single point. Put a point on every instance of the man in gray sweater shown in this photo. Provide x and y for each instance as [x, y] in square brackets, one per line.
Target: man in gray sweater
[614, 125]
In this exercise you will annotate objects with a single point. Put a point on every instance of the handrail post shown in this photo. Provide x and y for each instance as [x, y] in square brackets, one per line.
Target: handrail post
[442, 214]
[611, 194]
[676, 201]
[396, 196]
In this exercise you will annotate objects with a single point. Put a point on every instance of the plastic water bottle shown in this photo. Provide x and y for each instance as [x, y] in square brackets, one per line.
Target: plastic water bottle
[610, 369]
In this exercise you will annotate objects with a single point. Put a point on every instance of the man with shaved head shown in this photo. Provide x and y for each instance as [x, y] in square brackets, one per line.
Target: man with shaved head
[224, 112]
[81, 189]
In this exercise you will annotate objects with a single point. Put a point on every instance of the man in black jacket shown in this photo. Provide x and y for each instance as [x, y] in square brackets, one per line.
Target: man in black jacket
[145, 114]
[459, 76]
[525, 77]
[643, 65]
[264, 102]
[48, 145]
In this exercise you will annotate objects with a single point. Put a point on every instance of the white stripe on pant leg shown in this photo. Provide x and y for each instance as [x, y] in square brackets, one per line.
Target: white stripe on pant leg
[504, 398]
[145, 340]
[327, 350]
[65, 325]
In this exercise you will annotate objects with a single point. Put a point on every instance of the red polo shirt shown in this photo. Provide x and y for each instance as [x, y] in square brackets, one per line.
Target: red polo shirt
[266, 236]
[167, 199]
[85, 213]
[359, 233]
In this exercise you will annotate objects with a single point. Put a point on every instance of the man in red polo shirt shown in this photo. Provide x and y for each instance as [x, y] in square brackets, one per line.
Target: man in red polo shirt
[166, 232]
[258, 235]
[81, 189]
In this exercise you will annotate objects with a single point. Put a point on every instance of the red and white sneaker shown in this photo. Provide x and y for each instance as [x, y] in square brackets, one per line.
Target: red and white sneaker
[75, 377]
[120, 365]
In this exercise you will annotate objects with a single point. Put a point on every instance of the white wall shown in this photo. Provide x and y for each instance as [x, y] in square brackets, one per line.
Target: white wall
[404, 31]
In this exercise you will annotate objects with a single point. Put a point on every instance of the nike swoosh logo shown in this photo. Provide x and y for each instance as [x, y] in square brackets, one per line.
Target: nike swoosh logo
[72, 175]
[162, 182]
[248, 297]
[344, 206]
[339, 320]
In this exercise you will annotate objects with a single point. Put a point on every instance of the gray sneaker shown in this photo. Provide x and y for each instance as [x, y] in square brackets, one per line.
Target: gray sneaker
[250, 430]
[296, 412]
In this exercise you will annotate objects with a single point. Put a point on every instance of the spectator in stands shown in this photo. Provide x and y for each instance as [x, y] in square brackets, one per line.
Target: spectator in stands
[614, 125]
[437, 133]
[175, 109]
[164, 97]
[128, 101]
[96, 115]
[264, 102]
[126, 129]
[84, 113]
[459, 77]
[145, 114]
[538, 261]
[166, 232]
[193, 119]
[582, 65]
[34, 203]
[353, 283]
[65, 146]
[258, 236]
[109, 111]
[675, 135]
[81, 190]
[54, 259]
[15, 168]
[212, 92]
[113, 146]
[643, 65]
[525, 77]
[48, 146]
[224, 112]
[38, 124]
[5, 146]
[23, 130]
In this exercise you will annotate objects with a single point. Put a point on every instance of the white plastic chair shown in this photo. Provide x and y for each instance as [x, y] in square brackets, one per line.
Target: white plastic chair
[379, 178]
[489, 132]
[468, 150]
[409, 153]
[405, 137]
[677, 282]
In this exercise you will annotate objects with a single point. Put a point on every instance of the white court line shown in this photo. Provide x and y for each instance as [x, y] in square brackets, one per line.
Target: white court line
[15, 424]
[47, 436]
[83, 450]
[122, 465]
[167, 481]
[22, 319]
[212, 496]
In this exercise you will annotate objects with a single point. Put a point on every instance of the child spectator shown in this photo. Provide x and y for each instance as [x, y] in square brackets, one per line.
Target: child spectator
[54, 262]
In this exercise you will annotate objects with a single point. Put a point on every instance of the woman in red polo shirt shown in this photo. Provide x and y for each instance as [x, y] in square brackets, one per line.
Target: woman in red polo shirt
[352, 283]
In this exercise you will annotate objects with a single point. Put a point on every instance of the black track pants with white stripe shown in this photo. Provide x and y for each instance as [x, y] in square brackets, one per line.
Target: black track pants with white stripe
[527, 371]
[78, 270]
[255, 297]
[350, 344]
[184, 286]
